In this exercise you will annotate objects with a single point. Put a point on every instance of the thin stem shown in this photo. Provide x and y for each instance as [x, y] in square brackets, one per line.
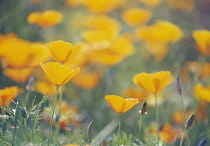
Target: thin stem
[119, 130]
[157, 118]
[60, 108]
[183, 137]
[185, 119]
[52, 114]
[140, 123]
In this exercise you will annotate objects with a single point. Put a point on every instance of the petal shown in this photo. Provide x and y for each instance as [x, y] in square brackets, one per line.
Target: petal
[128, 104]
[115, 102]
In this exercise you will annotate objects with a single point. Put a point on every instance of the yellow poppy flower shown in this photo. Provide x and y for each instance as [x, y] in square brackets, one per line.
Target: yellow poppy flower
[153, 83]
[119, 104]
[18, 75]
[151, 3]
[202, 92]
[47, 18]
[62, 51]
[136, 16]
[59, 74]
[103, 6]
[202, 38]
[141, 95]
[7, 95]
[186, 5]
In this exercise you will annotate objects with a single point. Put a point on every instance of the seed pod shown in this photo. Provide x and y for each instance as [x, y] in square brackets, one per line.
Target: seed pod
[178, 84]
[4, 127]
[90, 131]
[143, 108]
[190, 121]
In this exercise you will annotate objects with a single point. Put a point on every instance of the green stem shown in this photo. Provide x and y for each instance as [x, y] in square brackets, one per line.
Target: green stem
[15, 123]
[60, 109]
[157, 118]
[52, 114]
[140, 123]
[185, 119]
[119, 130]
[185, 130]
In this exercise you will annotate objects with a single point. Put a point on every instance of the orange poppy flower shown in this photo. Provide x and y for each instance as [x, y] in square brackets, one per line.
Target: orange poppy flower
[59, 74]
[153, 83]
[202, 38]
[119, 104]
[202, 92]
[62, 51]
[8, 94]
[136, 16]
[47, 18]
[178, 117]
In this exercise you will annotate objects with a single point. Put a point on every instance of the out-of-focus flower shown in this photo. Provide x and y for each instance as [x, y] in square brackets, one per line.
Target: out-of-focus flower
[87, 80]
[119, 104]
[7, 36]
[202, 38]
[153, 83]
[202, 92]
[7, 95]
[141, 95]
[59, 74]
[18, 75]
[158, 36]
[151, 3]
[62, 51]
[186, 5]
[136, 16]
[151, 100]
[103, 28]
[103, 6]
[74, 3]
[43, 86]
[178, 117]
[20, 53]
[36, 1]
[47, 18]
[113, 52]
[168, 133]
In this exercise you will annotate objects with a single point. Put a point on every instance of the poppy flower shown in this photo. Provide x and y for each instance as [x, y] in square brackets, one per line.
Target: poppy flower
[59, 74]
[7, 95]
[119, 104]
[62, 51]
[136, 16]
[151, 3]
[153, 83]
[202, 92]
[202, 38]
[47, 18]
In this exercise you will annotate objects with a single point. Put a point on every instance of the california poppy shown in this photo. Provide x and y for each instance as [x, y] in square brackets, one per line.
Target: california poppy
[7, 95]
[119, 104]
[153, 83]
[58, 74]
[202, 92]
[62, 51]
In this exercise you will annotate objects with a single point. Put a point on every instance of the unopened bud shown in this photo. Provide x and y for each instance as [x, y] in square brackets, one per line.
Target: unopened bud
[90, 131]
[190, 121]
[202, 142]
[178, 84]
[23, 113]
[4, 127]
[143, 108]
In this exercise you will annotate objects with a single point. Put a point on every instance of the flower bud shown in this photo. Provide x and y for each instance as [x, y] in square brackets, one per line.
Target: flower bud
[190, 121]
[90, 131]
[178, 84]
[143, 108]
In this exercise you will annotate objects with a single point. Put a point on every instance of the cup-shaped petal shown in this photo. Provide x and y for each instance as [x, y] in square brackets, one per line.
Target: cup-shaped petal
[153, 83]
[119, 104]
[62, 51]
[59, 74]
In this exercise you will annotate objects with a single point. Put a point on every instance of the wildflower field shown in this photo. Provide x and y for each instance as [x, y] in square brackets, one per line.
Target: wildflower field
[104, 72]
